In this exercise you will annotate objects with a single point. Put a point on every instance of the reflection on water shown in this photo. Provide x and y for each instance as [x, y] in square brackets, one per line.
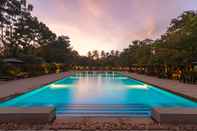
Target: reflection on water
[98, 90]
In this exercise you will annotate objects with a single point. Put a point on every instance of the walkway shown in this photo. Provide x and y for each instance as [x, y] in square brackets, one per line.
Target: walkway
[186, 90]
[16, 87]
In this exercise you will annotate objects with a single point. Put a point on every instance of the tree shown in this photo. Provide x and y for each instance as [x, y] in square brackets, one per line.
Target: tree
[95, 55]
[58, 51]
[13, 12]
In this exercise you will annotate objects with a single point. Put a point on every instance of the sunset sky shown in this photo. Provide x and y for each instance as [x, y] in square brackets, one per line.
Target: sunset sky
[109, 24]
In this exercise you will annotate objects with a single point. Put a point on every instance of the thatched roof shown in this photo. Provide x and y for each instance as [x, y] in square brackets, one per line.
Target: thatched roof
[12, 60]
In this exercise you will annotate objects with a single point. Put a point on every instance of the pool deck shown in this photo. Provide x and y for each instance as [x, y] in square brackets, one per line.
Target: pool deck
[174, 86]
[16, 87]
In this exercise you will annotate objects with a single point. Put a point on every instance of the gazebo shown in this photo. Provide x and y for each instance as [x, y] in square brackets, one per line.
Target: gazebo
[13, 61]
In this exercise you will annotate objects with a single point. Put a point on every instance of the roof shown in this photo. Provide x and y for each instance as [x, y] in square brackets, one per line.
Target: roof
[12, 60]
[194, 62]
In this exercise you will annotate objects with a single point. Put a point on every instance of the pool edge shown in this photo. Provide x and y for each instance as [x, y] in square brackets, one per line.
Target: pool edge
[11, 96]
[160, 87]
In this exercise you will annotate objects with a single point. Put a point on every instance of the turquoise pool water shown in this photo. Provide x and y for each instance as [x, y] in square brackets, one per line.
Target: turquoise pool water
[89, 92]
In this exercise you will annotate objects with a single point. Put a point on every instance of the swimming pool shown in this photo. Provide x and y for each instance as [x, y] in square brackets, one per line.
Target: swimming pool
[107, 93]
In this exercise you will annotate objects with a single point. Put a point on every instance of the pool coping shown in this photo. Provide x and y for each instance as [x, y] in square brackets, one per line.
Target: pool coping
[27, 115]
[175, 115]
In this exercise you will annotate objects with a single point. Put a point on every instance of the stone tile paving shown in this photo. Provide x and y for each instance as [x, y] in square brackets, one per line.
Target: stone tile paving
[3, 82]
[187, 90]
[100, 124]
[15, 87]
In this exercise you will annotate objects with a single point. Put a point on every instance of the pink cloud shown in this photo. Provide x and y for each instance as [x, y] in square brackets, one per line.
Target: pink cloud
[109, 24]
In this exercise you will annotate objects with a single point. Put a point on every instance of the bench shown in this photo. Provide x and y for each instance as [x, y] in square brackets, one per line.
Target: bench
[175, 115]
[27, 115]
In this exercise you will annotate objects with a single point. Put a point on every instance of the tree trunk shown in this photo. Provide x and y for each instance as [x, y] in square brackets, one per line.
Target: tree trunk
[2, 35]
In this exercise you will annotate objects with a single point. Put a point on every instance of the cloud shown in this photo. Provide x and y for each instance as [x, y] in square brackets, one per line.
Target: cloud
[91, 7]
[109, 24]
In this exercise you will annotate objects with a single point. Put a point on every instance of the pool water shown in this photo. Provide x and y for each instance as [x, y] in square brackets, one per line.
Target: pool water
[105, 93]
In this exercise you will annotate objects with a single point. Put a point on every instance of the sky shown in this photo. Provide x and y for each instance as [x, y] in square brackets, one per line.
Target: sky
[109, 24]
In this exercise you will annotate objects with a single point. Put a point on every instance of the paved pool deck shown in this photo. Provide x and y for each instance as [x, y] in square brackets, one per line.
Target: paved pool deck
[16, 87]
[174, 86]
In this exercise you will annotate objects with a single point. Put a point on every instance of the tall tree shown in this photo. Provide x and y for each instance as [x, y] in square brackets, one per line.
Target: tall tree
[57, 51]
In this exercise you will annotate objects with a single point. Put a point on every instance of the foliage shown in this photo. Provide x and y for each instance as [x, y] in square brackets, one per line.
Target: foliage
[58, 50]
[24, 36]
[177, 47]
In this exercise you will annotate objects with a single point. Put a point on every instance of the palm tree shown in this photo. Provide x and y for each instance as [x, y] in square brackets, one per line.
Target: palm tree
[89, 55]
[103, 55]
[95, 55]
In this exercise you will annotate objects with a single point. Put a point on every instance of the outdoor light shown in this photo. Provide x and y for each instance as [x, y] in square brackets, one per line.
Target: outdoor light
[144, 86]
[59, 86]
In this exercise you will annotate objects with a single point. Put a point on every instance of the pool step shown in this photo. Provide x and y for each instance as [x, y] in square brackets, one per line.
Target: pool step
[134, 110]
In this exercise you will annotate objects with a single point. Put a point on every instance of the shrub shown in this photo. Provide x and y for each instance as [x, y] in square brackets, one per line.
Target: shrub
[12, 70]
